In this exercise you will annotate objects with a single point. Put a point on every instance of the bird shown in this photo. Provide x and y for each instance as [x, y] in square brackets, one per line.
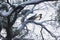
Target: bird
[35, 17]
[38, 17]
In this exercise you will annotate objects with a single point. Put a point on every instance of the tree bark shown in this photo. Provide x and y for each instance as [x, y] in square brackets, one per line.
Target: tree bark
[9, 30]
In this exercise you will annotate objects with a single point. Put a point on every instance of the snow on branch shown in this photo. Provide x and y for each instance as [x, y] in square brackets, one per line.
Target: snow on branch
[31, 21]
[4, 13]
[35, 2]
[24, 4]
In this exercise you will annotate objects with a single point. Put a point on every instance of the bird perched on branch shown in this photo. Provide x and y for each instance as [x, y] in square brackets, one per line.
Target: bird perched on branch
[38, 17]
[35, 17]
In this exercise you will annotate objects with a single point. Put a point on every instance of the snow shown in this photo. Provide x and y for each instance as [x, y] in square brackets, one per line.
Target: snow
[47, 12]
[31, 2]
[37, 29]
[4, 13]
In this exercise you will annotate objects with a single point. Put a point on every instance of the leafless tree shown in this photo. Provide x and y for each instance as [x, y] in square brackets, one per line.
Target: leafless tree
[10, 14]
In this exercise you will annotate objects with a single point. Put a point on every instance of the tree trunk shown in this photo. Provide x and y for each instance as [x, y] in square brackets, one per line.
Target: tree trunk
[9, 30]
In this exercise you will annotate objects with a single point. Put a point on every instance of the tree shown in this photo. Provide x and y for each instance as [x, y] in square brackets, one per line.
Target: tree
[10, 14]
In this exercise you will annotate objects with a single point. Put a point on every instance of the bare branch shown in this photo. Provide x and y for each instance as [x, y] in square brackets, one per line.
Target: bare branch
[35, 2]
[31, 21]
